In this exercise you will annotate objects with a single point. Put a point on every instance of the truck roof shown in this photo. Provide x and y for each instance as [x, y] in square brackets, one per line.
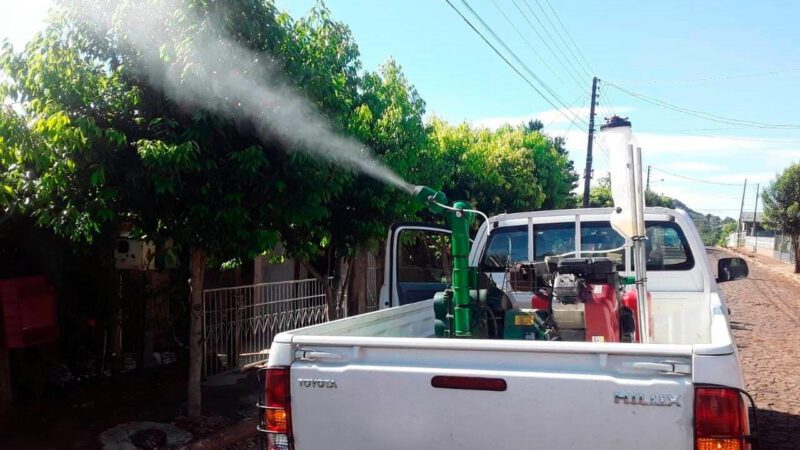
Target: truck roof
[652, 212]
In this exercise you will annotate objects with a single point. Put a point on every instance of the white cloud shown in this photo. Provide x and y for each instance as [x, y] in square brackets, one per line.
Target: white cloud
[702, 159]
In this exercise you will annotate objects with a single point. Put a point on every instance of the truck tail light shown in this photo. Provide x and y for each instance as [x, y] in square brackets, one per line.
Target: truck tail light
[720, 419]
[277, 413]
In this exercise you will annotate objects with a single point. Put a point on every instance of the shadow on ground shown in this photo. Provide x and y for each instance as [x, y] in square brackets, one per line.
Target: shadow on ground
[73, 419]
[778, 430]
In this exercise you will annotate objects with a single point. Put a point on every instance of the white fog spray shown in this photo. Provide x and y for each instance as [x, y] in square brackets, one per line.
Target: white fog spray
[220, 75]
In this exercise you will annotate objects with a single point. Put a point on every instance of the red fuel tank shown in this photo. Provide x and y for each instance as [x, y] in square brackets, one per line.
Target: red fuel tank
[630, 300]
[540, 301]
[601, 312]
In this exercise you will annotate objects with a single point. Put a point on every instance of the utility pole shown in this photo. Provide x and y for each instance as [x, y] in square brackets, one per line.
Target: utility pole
[647, 186]
[755, 208]
[741, 211]
[587, 176]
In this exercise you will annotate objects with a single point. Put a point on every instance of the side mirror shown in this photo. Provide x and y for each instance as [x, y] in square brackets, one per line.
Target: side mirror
[729, 269]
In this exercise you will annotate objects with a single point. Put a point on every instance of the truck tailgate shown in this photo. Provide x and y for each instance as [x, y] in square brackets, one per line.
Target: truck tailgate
[363, 397]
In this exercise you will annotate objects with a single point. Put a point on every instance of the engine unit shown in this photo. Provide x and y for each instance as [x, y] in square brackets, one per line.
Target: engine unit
[586, 304]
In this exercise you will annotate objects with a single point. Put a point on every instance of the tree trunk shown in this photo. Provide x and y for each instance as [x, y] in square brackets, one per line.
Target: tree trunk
[796, 244]
[344, 282]
[330, 294]
[357, 289]
[197, 267]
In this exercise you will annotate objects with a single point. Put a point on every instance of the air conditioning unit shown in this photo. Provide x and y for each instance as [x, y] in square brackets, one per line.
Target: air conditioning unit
[135, 254]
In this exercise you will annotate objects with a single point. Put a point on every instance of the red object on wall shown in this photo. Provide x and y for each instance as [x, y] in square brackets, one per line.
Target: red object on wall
[629, 300]
[29, 308]
[601, 312]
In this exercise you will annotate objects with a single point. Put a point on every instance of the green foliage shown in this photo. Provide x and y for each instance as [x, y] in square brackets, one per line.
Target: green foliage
[782, 206]
[728, 227]
[782, 201]
[507, 170]
[100, 142]
[600, 194]
[710, 226]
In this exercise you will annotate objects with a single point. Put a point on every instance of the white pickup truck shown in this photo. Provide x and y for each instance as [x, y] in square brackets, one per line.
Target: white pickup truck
[384, 380]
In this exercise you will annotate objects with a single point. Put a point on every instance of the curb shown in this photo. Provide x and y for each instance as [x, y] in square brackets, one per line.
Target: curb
[225, 437]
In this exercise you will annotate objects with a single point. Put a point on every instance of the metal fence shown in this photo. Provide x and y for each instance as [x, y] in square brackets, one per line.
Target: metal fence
[783, 250]
[240, 322]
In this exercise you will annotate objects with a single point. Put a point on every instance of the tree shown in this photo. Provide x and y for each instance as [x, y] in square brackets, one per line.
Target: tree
[600, 194]
[728, 227]
[506, 170]
[388, 117]
[129, 117]
[113, 145]
[782, 207]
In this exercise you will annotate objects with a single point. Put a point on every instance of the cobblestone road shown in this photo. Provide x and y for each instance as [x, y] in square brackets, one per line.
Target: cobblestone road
[765, 315]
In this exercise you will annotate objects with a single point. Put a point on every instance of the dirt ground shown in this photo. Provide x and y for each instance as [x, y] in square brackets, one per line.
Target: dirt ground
[73, 419]
[765, 317]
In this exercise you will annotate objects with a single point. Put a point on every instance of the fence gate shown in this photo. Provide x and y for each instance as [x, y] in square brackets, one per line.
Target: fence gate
[783, 249]
[239, 322]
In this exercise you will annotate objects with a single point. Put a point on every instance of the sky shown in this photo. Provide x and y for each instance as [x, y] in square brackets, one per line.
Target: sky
[728, 59]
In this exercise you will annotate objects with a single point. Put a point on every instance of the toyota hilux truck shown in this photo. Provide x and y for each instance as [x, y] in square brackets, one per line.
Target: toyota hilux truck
[392, 379]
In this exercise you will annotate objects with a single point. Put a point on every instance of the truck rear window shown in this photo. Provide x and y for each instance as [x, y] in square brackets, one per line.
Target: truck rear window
[506, 246]
[553, 239]
[667, 248]
[666, 245]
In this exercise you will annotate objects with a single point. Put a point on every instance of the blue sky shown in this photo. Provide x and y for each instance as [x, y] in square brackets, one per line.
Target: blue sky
[734, 59]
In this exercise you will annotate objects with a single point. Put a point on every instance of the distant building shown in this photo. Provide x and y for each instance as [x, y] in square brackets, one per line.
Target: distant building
[747, 225]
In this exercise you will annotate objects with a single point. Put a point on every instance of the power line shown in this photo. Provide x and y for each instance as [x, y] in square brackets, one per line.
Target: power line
[503, 57]
[694, 179]
[578, 49]
[603, 100]
[546, 44]
[528, 43]
[677, 130]
[563, 41]
[579, 100]
[556, 45]
[715, 77]
[569, 128]
[732, 138]
[578, 68]
[702, 114]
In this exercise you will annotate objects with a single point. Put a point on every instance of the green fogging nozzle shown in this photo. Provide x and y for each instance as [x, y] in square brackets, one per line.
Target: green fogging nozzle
[428, 196]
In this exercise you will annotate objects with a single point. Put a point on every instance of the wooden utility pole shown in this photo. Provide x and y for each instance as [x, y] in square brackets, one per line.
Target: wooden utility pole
[647, 186]
[587, 176]
[755, 209]
[741, 211]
